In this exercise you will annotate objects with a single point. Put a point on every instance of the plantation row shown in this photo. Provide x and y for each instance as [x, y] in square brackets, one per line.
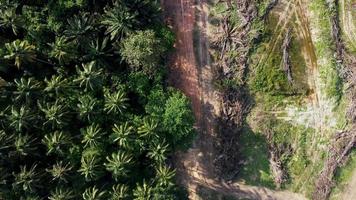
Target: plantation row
[84, 109]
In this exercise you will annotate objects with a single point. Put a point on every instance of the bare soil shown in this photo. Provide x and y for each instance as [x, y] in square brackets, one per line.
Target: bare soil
[195, 166]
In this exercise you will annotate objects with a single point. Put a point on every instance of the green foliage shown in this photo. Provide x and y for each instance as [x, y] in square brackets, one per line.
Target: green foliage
[143, 50]
[119, 192]
[26, 180]
[324, 47]
[9, 19]
[89, 77]
[123, 135]
[61, 194]
[84, 108]
[178, 118]
[62, 50]
[20, 118]
[142, 192]
[93, 194]
[20, 51]
[119, 21]
[117, 164]
[115, 102]
[256, 171]
[59, 172]
[56, 142]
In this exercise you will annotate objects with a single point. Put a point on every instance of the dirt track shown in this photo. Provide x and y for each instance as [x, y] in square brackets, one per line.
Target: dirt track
[195, 167]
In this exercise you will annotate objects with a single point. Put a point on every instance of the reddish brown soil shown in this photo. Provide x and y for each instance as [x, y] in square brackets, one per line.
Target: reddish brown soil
[183, 72]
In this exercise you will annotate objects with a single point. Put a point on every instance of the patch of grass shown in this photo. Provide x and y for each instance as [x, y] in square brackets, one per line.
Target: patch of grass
[262, 6]
[339, 111]
[256, 170]
[267, 73]
[343, 176]
[299, 67]
[324, 48]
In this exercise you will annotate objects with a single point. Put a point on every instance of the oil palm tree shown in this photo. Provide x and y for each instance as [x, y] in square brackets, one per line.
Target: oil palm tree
[27, 180]
[115, 102]
[87, 107]
[165, 176]
[148, 128]
[60, 193]
[89, 77]
[5, 141]
[158, 152]
[143, 192]
[55, 114]
[119, 21]
[79, 27]
[56, 142]
[25, 87]
[62, 50]
[56, 84]
[92, 135]
[98, 50]
[91, 166]
[117, 164]
[24, 144]
[93, 193]
[20, 51]
[20, 118]
[9, 19]
[122, 135]
[119, 192]
[60, 171]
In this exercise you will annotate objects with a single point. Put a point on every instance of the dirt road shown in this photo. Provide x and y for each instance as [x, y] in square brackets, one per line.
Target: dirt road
[195, 167]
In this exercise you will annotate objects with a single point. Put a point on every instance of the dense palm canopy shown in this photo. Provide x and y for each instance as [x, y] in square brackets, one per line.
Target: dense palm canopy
[85, 113]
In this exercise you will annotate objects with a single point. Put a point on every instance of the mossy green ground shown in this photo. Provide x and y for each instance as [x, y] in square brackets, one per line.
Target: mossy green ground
[343, 176]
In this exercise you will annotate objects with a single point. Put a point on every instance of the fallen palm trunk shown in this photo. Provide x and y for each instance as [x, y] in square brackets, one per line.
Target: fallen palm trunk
[338, 155]
[286, 58]
[276, 151]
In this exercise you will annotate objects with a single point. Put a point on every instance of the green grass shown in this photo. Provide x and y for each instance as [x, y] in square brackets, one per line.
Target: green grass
[256, 171]
[267, 73]
[343, 176]
[324, 47]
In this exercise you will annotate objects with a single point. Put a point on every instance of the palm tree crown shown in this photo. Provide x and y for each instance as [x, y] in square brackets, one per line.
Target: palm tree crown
[115, 102]
[118, 21]
[20, 51]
